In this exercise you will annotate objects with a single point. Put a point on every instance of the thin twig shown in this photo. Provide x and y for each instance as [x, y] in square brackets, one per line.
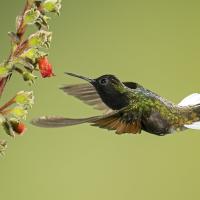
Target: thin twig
[7, 104]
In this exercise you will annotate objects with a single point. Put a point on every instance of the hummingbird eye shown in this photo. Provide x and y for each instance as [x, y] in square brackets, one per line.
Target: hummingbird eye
[103, 81]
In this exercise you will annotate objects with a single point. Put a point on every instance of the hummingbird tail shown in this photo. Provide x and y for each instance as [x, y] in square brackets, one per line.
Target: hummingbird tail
[192, 100]
[56, 122]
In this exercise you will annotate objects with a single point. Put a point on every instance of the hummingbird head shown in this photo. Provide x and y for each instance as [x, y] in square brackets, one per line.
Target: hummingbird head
[111, 90]
[109, 84]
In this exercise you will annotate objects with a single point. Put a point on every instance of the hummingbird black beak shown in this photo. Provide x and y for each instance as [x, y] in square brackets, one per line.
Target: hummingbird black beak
[81, 77]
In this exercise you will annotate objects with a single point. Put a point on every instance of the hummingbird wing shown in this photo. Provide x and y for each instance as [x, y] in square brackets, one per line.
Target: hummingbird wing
[88, 94]
[121, 122]
[56, 122]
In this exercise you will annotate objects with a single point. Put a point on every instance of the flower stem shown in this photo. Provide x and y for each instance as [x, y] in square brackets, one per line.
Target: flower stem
[5, 112]
[15, 50]
[7, 104]
[2, 84]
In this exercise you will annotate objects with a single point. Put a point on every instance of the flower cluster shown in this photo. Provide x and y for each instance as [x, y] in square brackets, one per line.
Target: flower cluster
[14, 111]
[28, 55]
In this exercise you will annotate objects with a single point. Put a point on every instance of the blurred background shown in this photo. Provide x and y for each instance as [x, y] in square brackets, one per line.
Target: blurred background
[155, 43]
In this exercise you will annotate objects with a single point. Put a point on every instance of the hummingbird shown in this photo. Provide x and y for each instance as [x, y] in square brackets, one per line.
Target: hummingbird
[127, 107]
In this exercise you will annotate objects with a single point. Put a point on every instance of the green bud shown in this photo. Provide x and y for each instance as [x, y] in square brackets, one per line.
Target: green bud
[19, 112]
[29, 76]
[8, 128]
[25, 98]
[27, 63]
[6, 68]
[4, 71]
[31, 16]
[51, 6]
[40, 39]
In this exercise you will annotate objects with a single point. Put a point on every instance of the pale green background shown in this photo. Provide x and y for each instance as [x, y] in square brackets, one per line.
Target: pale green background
[156, 43]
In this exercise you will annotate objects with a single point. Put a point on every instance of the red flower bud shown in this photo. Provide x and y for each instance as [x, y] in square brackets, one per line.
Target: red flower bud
[45, 67]
[18, 127]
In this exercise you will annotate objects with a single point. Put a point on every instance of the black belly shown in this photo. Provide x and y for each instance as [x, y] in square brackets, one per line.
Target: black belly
[154, 123]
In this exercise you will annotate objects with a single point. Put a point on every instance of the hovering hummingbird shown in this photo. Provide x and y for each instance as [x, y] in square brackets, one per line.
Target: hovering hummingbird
[129, 108]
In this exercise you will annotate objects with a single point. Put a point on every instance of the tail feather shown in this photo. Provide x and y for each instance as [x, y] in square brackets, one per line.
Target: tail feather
[195, 125]
[193, 101]
[190, 100]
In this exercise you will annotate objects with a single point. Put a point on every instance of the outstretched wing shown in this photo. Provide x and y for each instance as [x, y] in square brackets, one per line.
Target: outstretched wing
[121, 122]
[88, 94]
[56, 121]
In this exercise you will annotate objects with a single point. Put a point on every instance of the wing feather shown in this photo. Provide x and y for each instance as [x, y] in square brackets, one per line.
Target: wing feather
[118, 122]
[112, 121]
[88, 94]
